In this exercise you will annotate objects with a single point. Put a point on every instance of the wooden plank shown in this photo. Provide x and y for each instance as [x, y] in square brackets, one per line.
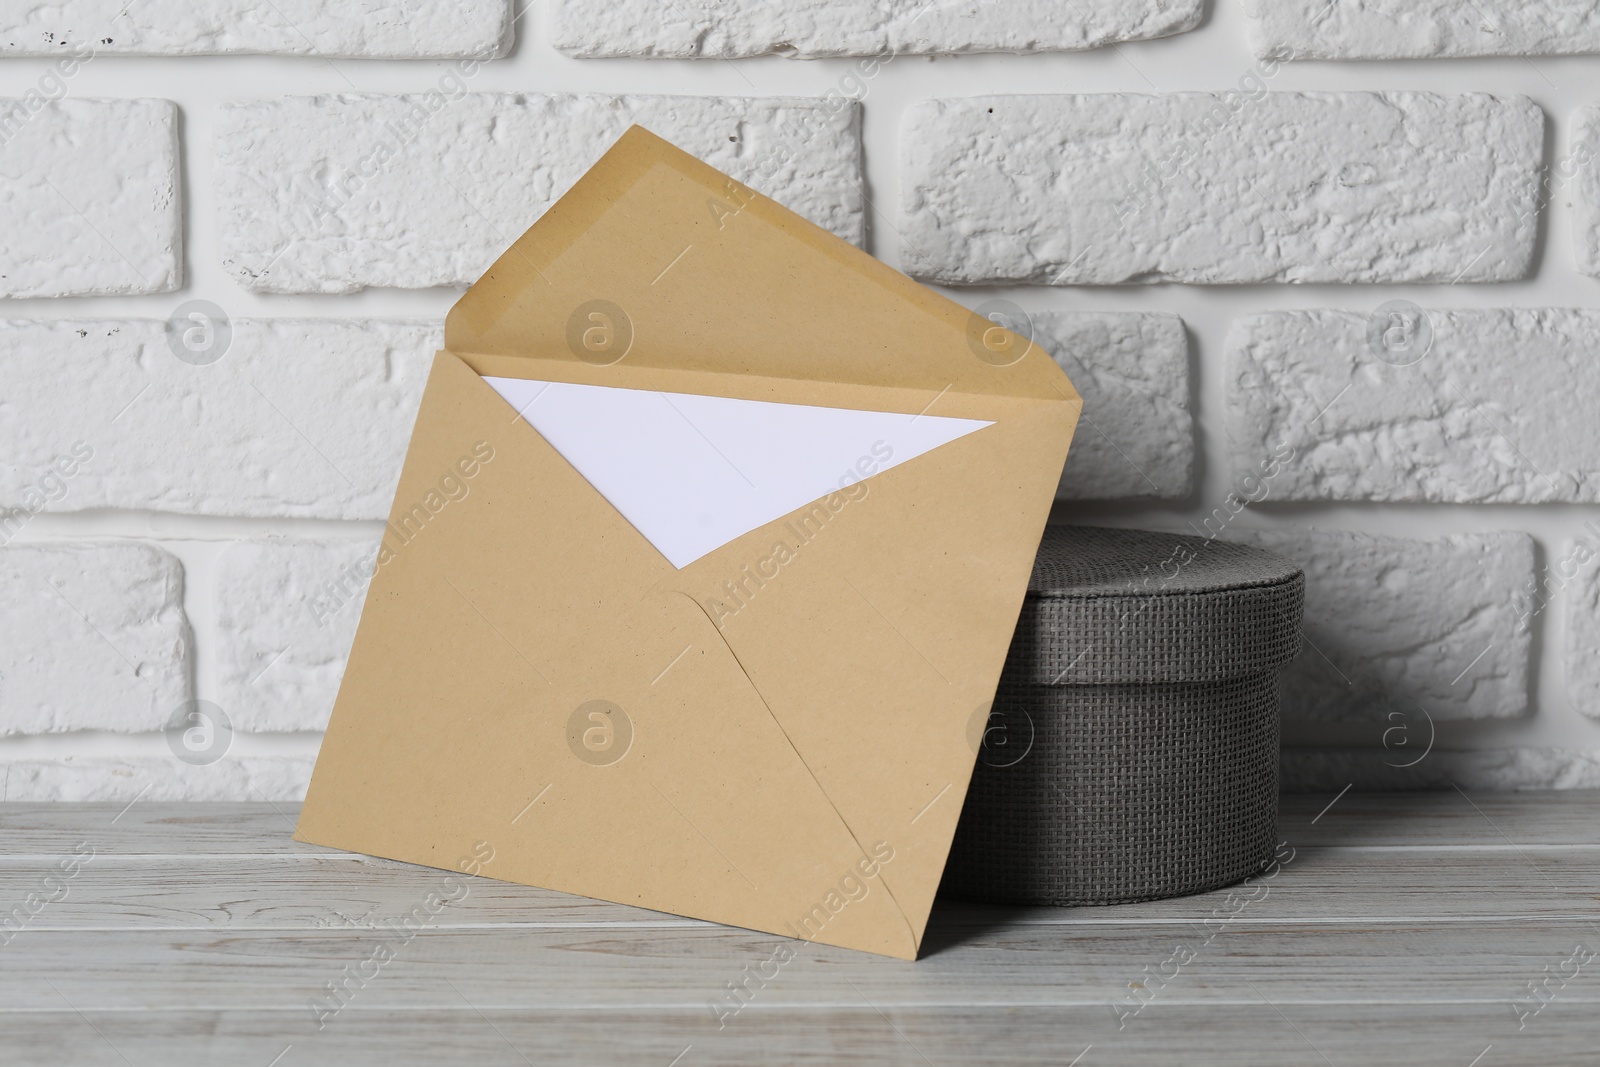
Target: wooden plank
[320, 891]
[1404, 930]
[622, 969]
[1526, 820]
[1249, 1033]
[144, 828]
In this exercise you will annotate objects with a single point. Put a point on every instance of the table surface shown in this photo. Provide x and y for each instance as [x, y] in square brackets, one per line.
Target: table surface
[1400, 929]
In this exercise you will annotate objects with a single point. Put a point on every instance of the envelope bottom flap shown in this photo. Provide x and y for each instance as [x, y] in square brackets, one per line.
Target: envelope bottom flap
[871, 854]
[877, 633]
[488, 645]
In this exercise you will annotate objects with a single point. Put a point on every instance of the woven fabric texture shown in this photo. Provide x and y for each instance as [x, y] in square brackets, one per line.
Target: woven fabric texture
[1145, 763]
[1109, 606]
[1125, 793]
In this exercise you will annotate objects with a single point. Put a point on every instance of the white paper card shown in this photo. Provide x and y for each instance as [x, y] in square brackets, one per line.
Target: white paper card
[691, 473]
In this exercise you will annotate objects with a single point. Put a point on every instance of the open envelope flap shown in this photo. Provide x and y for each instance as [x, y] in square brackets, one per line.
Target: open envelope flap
[654, 260]
[491, 639]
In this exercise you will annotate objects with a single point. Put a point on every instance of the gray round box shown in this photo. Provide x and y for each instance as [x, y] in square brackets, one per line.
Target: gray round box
[1132, 750]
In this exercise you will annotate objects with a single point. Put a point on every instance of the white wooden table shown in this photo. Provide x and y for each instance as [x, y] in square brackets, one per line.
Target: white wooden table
[1404, 930]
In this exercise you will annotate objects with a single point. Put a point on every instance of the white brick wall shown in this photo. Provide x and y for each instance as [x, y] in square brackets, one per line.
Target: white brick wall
[1495, 412]
[1425, 629]
[81, 778]
[1132, 371]
[1397, 29]
[685, 29]
[91, 200]
[397, 29]
[1377, 770]
[1582, 168]
[1579, 568]
[288, 612]
[1222, 188]
[298, 418]
[203, 491]
[92, 636]
[332, 194]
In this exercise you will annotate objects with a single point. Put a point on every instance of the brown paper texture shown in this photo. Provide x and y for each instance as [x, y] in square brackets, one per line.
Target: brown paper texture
[778, 736]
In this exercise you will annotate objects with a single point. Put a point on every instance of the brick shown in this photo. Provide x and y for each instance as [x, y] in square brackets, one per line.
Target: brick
[1497, 412]
[92, 637]
[299, 418]
[684, 29]
[1582, 166]
[1493, 770]
[1136, 436]
[1422, 29]
[329, 29]
[90, 204]
[280, 779]
[1578, 567]
[1222, 188]
[332, 194]
[287, 613]
[1402, 631]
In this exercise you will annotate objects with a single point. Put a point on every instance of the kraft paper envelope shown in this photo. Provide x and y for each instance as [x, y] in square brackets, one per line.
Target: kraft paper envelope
[594, 658]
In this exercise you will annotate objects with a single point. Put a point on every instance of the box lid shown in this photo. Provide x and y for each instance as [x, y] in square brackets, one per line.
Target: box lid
[1117, 606]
